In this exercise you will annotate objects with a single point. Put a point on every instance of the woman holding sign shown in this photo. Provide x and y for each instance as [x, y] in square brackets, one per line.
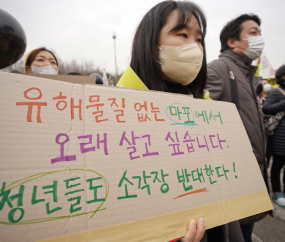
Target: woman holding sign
[169, 55]
[41, 61]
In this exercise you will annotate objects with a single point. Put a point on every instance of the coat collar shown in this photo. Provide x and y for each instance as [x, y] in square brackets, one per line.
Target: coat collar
[243, 62]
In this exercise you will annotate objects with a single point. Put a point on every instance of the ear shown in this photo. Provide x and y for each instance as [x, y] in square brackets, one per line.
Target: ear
[29, 70]
[283, 77]
[231, 43]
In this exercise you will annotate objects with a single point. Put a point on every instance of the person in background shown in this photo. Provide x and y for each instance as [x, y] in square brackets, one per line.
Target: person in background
[241, 43]
[266, 89]
[274, 103]
[167, 29]
[259, 90]
[99, 79]
[41, 61]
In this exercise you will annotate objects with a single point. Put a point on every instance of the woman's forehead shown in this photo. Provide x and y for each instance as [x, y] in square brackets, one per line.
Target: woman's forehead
[45, 54]
[175, 18]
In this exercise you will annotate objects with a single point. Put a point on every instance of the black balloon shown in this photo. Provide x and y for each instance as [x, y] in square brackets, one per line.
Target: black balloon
[12, 40]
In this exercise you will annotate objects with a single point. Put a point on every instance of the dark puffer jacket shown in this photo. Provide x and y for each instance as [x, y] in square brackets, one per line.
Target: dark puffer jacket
[275, 103]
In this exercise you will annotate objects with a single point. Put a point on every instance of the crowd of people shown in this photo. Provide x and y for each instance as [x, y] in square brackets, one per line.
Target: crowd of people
[169, 55]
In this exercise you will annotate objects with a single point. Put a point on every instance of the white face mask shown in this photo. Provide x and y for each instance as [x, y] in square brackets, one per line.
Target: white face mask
[44, 70]
[266, 88]
[255, 46]
[181, 63]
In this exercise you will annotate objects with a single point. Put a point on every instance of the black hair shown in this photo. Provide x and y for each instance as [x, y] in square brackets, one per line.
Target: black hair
[259, 89]
[99, 78]
[279, 73]
[98, 81]
[145, 52]
[233, 28]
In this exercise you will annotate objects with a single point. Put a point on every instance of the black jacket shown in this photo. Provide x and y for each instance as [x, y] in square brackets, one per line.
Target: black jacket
[275, 103]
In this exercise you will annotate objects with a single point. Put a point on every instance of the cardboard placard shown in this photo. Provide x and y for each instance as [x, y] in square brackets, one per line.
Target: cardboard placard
[68, 78]
[97, 163]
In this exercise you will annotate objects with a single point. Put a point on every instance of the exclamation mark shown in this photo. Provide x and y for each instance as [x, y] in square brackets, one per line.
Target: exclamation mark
[235, 169]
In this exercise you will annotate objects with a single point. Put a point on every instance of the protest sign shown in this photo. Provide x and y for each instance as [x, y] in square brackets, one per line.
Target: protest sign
[95, 163]
[69, 78]
[264, 68]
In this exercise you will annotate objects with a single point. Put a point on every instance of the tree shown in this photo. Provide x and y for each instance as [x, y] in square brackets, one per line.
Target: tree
[19, 66]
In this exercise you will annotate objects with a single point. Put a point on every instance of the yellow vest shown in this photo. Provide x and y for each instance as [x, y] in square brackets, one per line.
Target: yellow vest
[130, 80]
